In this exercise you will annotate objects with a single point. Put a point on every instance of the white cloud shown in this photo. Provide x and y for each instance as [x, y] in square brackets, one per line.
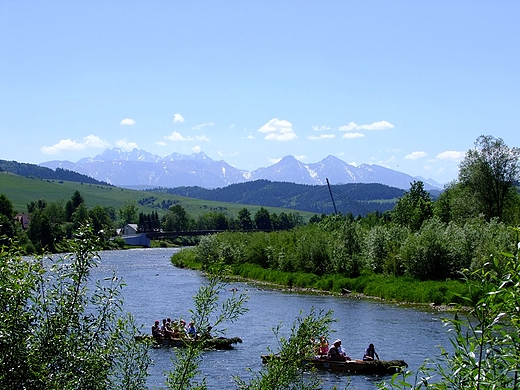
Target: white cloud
[198, 127]
[451, 155]
[126, 145]
[90, 141]
[301, 157]
[353, 135]
[128, 122]
[94, 141]
[178, 118]
[196, 149]
[415, 155]
[250, 136]
[278, 130]
[161, 143]
[381, 125]
[320, 128]
[175, 136]
[63, 145]
[321, 136]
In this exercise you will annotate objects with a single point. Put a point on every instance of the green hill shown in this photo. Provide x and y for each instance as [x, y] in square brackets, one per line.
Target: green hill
[37, 172]
[23, 190]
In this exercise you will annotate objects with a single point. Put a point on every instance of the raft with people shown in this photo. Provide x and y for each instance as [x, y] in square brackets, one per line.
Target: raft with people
[180, 334]
[374, 367]
[221, 343]
[335, 359]
[355, 366]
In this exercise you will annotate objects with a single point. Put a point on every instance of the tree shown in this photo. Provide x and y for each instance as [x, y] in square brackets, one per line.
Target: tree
[128, 214]
[456, 204]
[263, 219]
[6, 207]
[7, 227]
[244, 219]
[490, 171]
[40, 232]
[414, 207]
[72, 204]
[102, 224]
[210, 310]
[177, 219]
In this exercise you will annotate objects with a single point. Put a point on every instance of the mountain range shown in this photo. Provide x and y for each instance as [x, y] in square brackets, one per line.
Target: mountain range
[140, 169]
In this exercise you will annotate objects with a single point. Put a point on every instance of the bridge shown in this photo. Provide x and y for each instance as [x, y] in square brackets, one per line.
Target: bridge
[145, 239]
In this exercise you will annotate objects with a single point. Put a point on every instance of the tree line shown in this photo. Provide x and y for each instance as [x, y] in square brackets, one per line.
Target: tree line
[420, 237]
[52, 224]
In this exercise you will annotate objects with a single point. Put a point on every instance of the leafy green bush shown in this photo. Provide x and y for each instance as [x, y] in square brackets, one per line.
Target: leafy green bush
[57, 332]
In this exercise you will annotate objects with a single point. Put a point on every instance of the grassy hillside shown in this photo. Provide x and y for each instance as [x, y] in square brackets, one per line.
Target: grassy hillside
[22, 190]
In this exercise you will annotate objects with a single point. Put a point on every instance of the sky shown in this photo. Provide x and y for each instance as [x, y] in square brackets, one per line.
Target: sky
[409, 85]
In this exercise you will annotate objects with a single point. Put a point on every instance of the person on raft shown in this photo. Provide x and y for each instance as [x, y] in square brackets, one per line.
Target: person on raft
[370, 353]
[323, 348]
[337, 353]
[156, 330]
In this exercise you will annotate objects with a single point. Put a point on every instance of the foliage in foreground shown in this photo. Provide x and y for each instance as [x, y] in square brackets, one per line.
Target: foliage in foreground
[59, 332]
[209, 311]
[285, 371]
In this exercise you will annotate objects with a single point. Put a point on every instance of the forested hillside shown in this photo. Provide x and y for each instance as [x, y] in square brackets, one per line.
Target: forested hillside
[358, 199]
[35, 171]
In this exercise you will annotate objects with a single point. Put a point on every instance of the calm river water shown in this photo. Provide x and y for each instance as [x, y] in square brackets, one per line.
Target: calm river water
[156, 289]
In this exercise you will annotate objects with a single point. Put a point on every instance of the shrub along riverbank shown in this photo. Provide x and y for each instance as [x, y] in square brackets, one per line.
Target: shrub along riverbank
[367, 256]
[387, 287]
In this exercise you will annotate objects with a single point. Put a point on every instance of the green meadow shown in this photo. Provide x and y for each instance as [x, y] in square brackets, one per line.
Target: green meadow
[22, 190]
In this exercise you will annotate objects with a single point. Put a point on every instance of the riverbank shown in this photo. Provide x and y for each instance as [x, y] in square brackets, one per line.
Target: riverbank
[436, 295]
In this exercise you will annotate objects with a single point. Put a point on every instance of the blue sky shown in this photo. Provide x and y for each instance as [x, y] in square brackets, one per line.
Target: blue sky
[409, 85]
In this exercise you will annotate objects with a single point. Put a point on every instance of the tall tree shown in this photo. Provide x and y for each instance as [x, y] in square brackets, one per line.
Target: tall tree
[490, 171]
[72, 204]
[6, 217]
[177, 219]
[414, 207]
[6, 207]
[244, 219]
[263, 219]
[128, 214]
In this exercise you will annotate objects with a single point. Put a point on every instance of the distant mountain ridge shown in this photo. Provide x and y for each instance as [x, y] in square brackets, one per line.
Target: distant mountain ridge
[138, 168]
[358, 198]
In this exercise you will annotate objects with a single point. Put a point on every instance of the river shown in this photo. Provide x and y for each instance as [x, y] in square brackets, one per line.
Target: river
[156, 289]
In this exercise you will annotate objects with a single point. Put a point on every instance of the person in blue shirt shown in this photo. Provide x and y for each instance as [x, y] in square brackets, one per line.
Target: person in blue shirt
[191, 330]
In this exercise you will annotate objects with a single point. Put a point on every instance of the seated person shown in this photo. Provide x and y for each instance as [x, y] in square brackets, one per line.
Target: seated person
[370, 352]
[191, 331]
[207, 334]
[166, 329]
[336, 352]
[156, 331]
[323, 346]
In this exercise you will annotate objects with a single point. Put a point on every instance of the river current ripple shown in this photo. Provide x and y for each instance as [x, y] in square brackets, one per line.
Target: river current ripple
[156, 289]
